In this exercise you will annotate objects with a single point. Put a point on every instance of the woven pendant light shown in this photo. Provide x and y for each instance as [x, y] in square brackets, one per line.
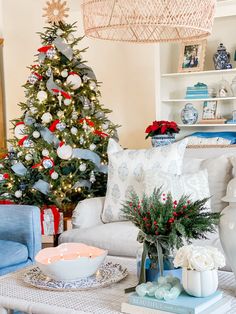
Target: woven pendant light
[148, 21]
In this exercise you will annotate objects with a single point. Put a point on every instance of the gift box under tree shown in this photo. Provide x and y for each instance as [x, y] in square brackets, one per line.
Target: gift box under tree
[51, 220]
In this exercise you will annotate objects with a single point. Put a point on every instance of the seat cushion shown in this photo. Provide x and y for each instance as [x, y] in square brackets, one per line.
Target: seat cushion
[119, 238]
[12, 253]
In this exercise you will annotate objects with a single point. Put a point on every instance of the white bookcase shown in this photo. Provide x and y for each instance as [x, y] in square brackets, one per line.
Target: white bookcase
[171, 85]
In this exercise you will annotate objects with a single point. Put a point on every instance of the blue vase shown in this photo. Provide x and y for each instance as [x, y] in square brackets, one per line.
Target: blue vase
[189, 114]
[222, 58]
[162, 139]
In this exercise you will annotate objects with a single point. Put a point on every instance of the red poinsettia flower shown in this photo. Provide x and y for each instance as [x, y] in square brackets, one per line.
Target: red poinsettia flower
[162, 127]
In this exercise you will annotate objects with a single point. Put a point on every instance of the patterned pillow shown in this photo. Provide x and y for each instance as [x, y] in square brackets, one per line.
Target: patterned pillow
[193, 184]
[126, 172]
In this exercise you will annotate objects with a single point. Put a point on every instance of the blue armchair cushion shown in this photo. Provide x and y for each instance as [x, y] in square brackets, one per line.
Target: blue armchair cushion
[12, 253]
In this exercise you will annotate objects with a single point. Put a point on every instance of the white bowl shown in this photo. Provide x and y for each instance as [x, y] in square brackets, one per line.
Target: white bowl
[70, 261]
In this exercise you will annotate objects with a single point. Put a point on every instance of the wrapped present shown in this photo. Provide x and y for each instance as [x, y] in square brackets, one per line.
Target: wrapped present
[51, 220]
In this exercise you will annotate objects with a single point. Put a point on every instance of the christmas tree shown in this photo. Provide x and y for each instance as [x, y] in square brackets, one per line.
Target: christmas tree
[58, 154]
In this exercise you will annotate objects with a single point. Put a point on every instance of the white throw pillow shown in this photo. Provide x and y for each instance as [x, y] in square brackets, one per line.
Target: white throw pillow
[219, 174]
[194, 185]
[126, 172]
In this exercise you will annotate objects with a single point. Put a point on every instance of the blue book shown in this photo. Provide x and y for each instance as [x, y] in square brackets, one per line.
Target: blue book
[197, 96]
[197, 92]
[184, 304]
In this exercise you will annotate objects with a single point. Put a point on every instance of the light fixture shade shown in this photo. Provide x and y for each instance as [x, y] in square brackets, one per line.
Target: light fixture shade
[148, 21]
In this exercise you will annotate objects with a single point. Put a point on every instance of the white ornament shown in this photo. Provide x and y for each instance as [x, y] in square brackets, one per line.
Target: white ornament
[45, 153]
[18, 194]
[60, 114]
[33, 110]
[59, 32]
[92, 177]
[81, 140]
[92, 147]
[70, 38]
[61, 126]
[51, 53]
[2, 178]
[42, 96]
[67, 102]
[49, 72]
[64, 73]
[74, 80]
[19, 154]
[105, 126]
[93, 85]
[54, 175]
[74, 130]
[47, 163]
[82, 167]
[36, 134]
[28, 157]
[65, 152]
[19, 131]
[46, 117]
[59, 97]
[74, 115]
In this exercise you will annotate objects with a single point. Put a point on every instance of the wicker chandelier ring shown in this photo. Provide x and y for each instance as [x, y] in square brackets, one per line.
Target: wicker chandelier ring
[148, 21]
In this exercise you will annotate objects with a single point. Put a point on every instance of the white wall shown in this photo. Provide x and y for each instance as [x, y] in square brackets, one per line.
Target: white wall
[127, 71]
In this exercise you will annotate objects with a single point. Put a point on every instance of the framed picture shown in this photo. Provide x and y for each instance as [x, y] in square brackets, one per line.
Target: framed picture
[209, 110]
[192, 56]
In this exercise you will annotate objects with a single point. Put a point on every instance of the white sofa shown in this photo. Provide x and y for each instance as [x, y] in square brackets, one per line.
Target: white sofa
[119, 238]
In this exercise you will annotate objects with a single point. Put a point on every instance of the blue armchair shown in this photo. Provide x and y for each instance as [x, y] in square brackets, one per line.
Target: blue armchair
[20, 236]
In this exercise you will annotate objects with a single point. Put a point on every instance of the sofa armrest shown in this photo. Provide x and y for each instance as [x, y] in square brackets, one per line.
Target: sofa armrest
[88, 213]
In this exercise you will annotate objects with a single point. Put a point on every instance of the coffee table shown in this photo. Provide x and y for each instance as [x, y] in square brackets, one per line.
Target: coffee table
[15, 294]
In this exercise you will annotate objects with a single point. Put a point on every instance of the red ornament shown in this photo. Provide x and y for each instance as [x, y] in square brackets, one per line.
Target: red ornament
[44, 49]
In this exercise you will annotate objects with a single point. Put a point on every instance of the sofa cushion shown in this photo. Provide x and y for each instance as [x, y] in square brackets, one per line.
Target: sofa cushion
[126, 173]
[219, 174]
[119, 238]
[12, 253]
[195, 185]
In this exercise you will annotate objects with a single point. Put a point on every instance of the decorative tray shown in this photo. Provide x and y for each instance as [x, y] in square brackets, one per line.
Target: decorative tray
[107, 274]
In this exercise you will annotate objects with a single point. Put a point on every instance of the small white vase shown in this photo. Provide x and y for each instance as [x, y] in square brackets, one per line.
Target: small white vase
[200, 283]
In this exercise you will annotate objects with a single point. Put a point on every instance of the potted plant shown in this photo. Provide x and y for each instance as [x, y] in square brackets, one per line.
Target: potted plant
[162, 132]
[164, 224]
[200, 265]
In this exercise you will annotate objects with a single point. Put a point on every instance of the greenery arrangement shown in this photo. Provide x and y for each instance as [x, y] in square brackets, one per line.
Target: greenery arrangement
[162, 127]
[165, 223]
[58, 153]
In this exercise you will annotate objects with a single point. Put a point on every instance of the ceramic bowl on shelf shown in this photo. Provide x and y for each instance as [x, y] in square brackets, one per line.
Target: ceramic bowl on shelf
[70, 261]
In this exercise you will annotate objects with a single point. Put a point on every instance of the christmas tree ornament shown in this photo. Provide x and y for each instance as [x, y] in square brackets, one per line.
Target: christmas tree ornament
[74, 130]
[51, 53]
[58, 81]
[4, 176]
[45, 152]
[54, 175]
[92, 85]
[92, 177]
[59, 32]
[22, 186]
[49, 72]
[61, 126]
[34, 77]
[81, 140]
[100, 114]
[42, 96]
[64, 73]
[36, 134]
[64, 151]
[67, 102]
[18, 194]
[19, 154]
[60, 114]
[74, 115]
[92, 147]
[20, 130]
[85, 78]
[105, 126]
[47, 163]
[28, 157]
[28, 143]
[82, 167]
[70, 38]
[33, 110]
[46, 117]
[74, 80]
[55, 11]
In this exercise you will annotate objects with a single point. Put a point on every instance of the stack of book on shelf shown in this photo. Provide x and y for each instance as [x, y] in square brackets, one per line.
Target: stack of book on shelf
[198, 91]
[213, 121]
[184, 304]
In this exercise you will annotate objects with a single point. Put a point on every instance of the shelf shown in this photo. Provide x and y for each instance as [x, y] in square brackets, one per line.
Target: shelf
[198, 125]
[199, 100]
[200, 73]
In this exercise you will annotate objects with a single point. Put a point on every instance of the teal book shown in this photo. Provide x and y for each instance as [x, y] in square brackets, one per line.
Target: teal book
[184, 304]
